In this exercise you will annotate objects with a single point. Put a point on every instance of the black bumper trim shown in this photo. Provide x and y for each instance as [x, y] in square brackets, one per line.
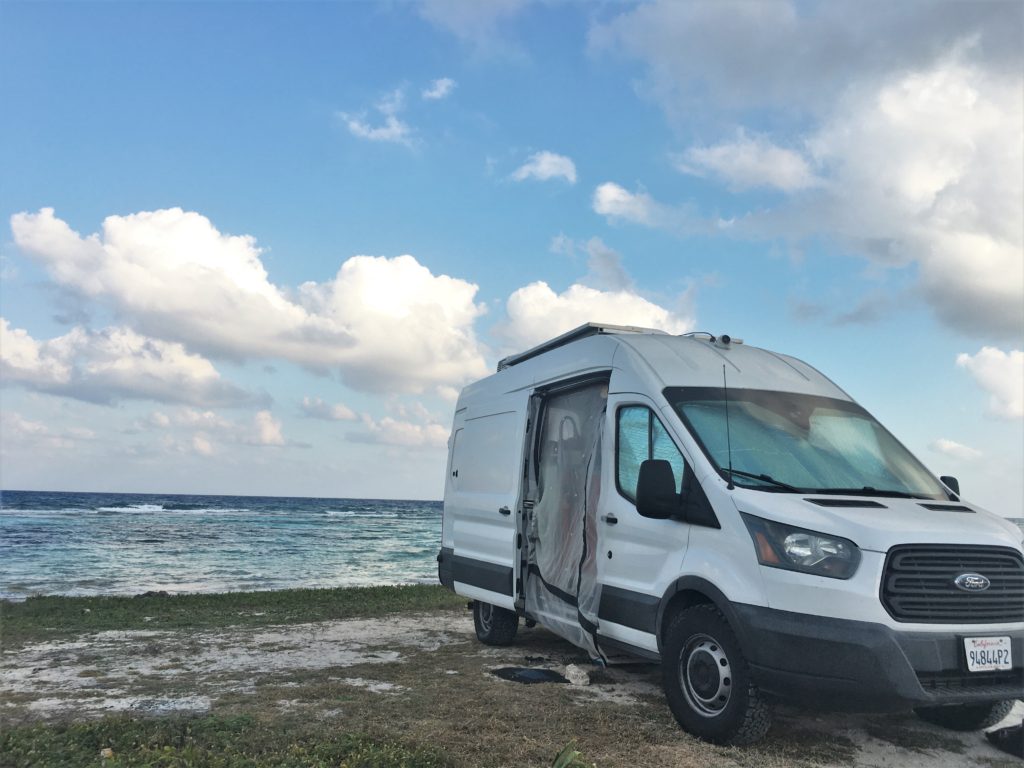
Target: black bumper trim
[862, 665]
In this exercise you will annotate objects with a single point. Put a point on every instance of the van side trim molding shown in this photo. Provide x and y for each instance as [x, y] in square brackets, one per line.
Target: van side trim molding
[610, 643]
[630, 609]
[479, 573]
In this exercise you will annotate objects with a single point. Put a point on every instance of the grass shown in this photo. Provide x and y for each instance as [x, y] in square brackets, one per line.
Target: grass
[443, 708]
[40, 619]
[213, 742]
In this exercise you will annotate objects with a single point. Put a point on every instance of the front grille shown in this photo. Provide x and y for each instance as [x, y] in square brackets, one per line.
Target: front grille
[918, 585]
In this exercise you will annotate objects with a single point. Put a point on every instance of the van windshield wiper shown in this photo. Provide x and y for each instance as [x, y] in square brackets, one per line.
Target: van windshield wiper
[867, 490]
[766, 479]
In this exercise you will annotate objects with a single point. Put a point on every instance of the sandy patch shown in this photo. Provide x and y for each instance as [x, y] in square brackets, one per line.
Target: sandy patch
[159, 673]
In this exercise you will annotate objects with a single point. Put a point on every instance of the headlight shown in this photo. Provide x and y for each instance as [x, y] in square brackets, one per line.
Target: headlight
[796, 549]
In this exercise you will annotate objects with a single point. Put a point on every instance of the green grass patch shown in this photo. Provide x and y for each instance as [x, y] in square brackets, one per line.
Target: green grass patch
[213, 742]
[52, 618]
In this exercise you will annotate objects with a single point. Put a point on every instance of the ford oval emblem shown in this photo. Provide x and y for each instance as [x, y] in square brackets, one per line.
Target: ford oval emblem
[972, 582]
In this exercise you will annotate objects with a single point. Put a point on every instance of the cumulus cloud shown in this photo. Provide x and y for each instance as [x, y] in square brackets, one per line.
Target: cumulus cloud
[617, 202]
[916, 161]
[955, 450]
[111, 365]
[536, 313]
[267, 429]
[316, 408]
[392, 129]
[545, 165]
[438, 89]
[1001, 374]
[401, 433]
[750, 161]
[384, 323]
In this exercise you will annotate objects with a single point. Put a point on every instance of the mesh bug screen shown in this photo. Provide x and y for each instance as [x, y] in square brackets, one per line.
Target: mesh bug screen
[561, 584]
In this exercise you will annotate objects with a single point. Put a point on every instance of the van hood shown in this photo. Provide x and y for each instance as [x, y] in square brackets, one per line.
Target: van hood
[870, 527]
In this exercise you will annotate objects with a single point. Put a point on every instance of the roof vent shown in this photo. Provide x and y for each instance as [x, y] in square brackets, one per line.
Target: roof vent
[725, 341]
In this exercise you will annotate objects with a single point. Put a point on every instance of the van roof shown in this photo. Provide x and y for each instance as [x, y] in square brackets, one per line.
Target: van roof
[580, 332]
[697, 360]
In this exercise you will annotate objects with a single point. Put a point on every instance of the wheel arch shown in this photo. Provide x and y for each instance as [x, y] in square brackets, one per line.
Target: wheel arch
[687, 591]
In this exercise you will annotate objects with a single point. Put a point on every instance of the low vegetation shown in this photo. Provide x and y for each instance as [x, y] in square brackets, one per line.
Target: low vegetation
[52, 618]
[212, 742]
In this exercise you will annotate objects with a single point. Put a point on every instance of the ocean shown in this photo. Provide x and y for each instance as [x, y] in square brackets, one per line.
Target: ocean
[127, 544]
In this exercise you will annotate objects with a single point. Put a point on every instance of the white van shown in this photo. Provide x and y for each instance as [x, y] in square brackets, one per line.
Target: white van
[732, 513]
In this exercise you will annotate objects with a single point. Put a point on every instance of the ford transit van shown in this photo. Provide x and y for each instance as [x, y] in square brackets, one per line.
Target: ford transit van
[733, 514]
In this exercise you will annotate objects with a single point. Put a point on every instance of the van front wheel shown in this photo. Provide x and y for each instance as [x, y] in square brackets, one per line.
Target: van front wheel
[494, 625]
[707, 681]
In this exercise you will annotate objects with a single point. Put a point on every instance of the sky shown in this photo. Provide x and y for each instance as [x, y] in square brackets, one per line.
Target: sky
[258, 248]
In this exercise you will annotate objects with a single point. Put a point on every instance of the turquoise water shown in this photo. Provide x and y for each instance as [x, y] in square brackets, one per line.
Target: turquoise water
[124, 544]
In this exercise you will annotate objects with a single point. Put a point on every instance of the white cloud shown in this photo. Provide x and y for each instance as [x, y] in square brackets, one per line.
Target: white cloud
[955, 450]
[202, 445]
[316, 408]
[746, 162]
[545, 165]
[207, 420]
[20, 433]
[111, 365]
[406, 434]
[616, 202]
[1001, 374]
[268, 429]
[392, 129]
[536, 313]
[704, 58]
[916, 160]
[387, 324]
[439, 89]
[472, 21]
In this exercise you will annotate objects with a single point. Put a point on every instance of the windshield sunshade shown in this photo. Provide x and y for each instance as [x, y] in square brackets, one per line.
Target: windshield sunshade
[787, 442]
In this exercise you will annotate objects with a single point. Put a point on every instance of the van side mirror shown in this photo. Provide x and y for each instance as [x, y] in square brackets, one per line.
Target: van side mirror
[656, 495]
[952, 483]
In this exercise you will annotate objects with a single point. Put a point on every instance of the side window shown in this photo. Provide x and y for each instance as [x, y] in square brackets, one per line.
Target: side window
[640, 435]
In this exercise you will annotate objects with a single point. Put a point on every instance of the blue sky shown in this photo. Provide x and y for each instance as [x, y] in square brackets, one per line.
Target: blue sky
[257, 247]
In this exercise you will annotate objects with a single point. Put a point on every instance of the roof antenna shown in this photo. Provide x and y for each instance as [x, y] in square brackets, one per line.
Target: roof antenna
[728, 437]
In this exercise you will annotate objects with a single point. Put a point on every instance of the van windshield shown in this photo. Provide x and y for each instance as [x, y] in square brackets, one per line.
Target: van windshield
[783, 441]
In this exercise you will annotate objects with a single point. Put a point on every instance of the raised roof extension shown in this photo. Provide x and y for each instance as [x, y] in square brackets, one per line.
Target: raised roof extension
[585, 330]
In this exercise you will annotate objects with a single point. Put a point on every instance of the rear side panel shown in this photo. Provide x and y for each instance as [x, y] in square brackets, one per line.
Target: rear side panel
[482, 494]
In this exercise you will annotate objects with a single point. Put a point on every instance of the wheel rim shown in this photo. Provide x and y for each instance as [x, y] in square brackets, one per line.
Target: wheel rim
[486, 614]
[705, 675]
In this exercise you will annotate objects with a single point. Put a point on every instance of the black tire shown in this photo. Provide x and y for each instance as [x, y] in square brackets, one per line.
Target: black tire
[494, 625]
[966, 717]
[707, 681]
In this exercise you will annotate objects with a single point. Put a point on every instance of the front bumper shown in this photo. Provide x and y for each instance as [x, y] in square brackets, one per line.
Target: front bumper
[860, 665]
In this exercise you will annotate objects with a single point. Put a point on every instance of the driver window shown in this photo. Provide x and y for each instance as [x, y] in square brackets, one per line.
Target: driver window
[642, 436]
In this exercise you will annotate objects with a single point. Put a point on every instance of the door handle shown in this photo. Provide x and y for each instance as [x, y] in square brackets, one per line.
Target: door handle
[610, 519]
[504, 511]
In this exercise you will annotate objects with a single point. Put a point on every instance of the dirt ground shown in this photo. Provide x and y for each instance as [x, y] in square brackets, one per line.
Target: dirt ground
[425, 678]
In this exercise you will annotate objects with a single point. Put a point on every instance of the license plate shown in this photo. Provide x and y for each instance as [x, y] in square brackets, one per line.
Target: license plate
[987, 654]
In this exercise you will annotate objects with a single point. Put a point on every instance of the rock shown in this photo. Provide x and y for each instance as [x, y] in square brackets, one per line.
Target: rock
[577, 675]
[106, 753]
